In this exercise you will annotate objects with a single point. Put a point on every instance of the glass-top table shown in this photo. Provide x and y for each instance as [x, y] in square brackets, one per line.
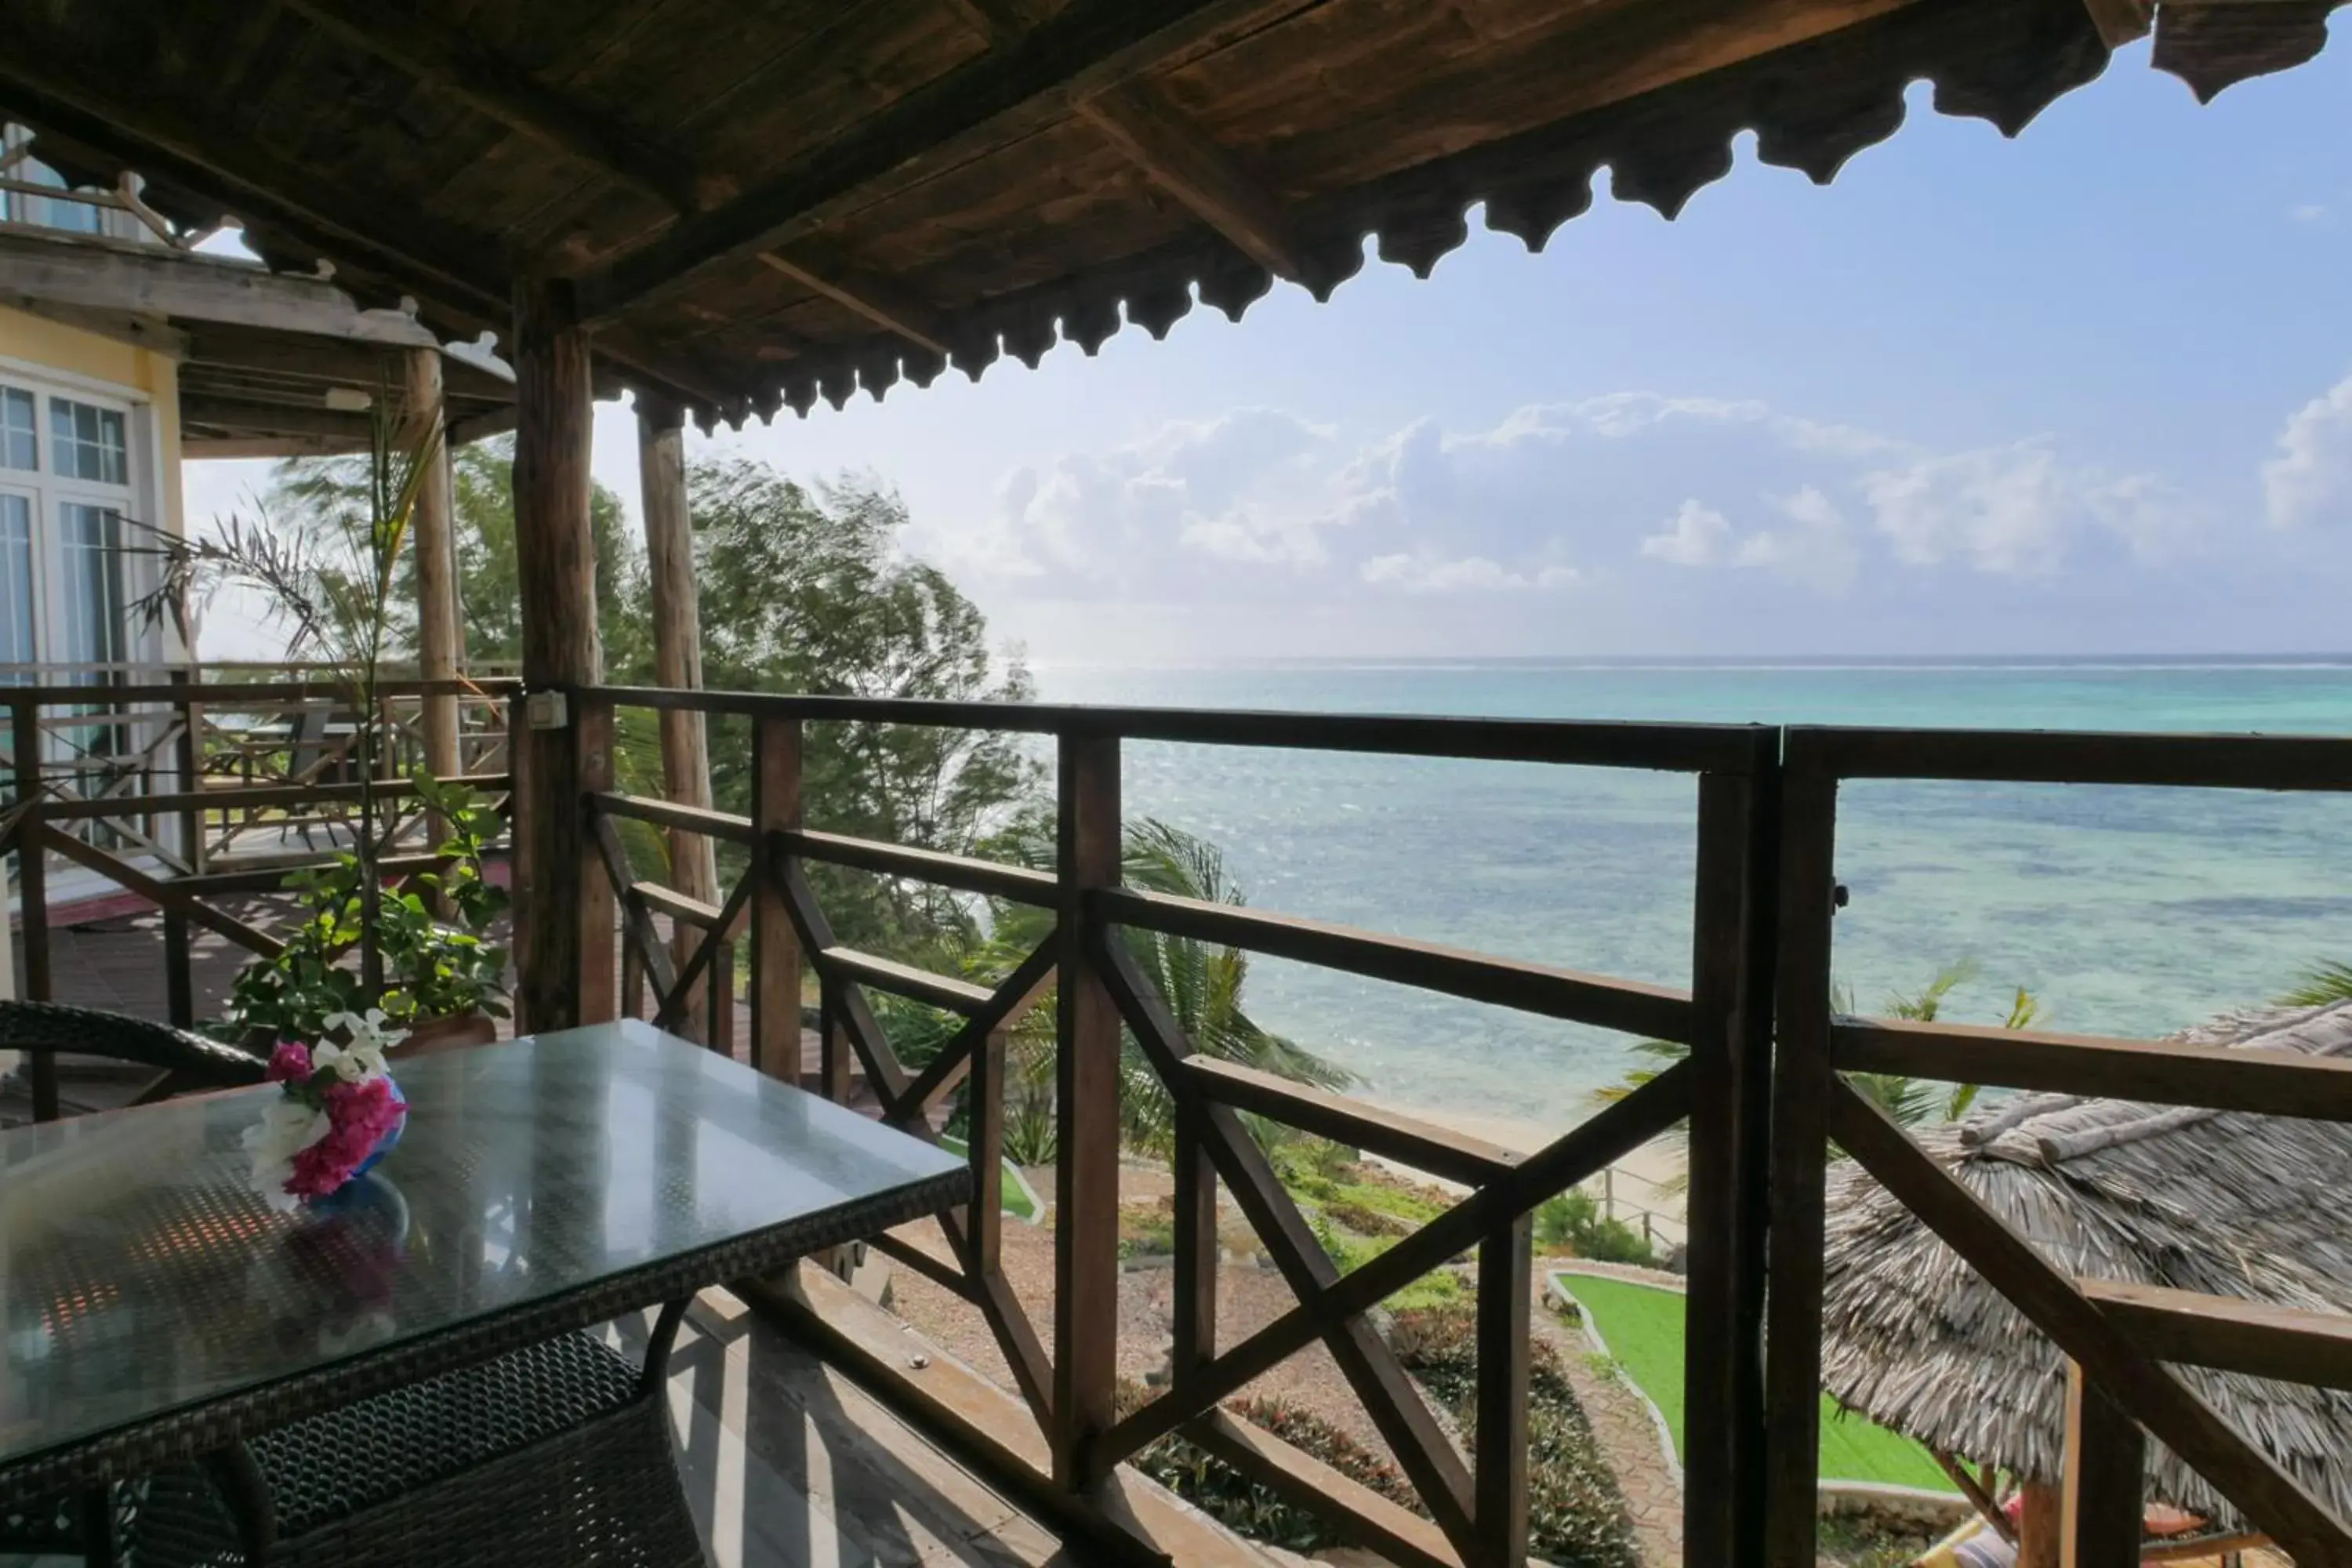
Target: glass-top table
[152, 1306]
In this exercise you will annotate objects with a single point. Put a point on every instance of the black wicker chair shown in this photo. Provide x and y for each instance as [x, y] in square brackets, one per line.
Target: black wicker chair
[556, 1453]
[182, 1061]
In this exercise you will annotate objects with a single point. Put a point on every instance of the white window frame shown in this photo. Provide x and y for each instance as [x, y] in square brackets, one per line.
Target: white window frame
[137, 500]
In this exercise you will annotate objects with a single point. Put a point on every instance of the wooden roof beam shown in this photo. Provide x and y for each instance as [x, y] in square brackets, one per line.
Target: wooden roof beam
[1085, 48]
[875, 298]
[1158, 138]
[1196, 172]
[444, 58]
[251, 419]
[2120, 21]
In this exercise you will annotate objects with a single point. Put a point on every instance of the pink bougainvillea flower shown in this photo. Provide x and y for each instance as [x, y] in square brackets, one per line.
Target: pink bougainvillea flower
[359, 1116]
[289, 1063]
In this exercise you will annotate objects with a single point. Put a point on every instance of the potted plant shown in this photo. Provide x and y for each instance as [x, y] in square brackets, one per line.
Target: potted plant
[443, 978]
[416, 953]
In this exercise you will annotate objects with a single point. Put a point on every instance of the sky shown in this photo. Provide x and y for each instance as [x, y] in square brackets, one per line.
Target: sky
[2084, 392]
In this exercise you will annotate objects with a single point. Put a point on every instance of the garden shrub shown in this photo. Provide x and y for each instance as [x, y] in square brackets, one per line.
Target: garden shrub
[1577, 1516]
[1574, 1220]
[1146, 1230]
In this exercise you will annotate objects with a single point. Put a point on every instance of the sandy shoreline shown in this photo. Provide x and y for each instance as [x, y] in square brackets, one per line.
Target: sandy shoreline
[1638, 1175]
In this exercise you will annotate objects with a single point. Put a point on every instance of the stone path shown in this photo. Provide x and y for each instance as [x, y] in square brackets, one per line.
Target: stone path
[1623, 1426]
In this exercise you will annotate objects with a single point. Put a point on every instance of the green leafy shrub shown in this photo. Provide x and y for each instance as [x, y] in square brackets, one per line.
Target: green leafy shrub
[1248, 1509]
[1352, 1252]
[431, 968]
[1574, 1220]
[1146, 1230]
[1576, 1515]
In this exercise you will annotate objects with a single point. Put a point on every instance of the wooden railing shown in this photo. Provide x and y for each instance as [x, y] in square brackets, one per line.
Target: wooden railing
[187, 796]
[2121, 1340]
[1761, 1093]
[1065, 1369]
[1761, 1117]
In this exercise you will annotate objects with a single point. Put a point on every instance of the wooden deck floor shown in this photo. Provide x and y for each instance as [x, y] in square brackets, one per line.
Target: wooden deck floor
[787, 1463]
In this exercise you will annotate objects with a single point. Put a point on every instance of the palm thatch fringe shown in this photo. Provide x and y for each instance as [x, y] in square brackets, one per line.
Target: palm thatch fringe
[2218, 1202]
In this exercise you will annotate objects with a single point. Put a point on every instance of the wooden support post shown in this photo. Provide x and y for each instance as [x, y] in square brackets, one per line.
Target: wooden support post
[555, 557]
[1723, 1377]
[189, 754]
[440, 644]
[678, 647]
[33, 893]
[983, 1091]
[1087, 1087]
[2106, 1457]
[179, 981]
[591, 738]
[633, 981]
[2041, 1526]
[718, 1012]
[1501, 1478]
[1801, 1082]
[1194, 1327]
[836, 1068]
[775, 949]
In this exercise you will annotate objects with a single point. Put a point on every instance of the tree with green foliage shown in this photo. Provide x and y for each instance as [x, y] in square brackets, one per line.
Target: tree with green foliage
[807, 591]
[314, 493]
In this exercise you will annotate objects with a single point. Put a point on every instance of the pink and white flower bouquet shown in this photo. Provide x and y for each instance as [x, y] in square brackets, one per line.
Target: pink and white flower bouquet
[338, 1112]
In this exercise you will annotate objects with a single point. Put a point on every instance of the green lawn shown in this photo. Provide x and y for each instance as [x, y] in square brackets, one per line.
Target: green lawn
[1643, 1327]
[1016, 1195]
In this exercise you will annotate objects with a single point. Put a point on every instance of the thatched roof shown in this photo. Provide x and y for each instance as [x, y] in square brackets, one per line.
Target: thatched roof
[2216, 1202]
[765, 204]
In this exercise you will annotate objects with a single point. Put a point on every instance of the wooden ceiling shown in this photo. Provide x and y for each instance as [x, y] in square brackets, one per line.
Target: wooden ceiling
[763, 202]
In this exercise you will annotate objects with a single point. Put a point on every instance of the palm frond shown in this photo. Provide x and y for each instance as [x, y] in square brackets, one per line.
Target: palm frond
[2324, 986]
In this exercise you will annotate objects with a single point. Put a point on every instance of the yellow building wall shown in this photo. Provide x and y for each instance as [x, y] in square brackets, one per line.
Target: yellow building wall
[140, 375]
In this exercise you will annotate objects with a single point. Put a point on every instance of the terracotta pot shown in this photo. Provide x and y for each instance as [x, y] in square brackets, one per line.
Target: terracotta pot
[451, 1032]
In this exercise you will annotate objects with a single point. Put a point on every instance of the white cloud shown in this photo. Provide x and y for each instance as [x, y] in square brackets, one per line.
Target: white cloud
[1695, 536]
[1250, 485]
[1263, 509]
[1811, 545]
[2310, 480]
[2012, 510]
[1469, 573]
[2308, 212]
[1814, 548]
[1998, 509]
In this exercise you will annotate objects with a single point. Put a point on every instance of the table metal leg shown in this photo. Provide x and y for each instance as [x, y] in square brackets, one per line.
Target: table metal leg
[98, 1534]
[657, 1347]
[246, 1492]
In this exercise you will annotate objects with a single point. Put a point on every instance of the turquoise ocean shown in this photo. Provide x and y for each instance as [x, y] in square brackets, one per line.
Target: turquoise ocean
[2130, 911]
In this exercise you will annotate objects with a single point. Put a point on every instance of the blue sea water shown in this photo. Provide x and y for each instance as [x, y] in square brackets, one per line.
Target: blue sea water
[2131, 911]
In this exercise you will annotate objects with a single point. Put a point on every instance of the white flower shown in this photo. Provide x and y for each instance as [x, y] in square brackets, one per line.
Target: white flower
[285, 1129]
[363, 1058]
